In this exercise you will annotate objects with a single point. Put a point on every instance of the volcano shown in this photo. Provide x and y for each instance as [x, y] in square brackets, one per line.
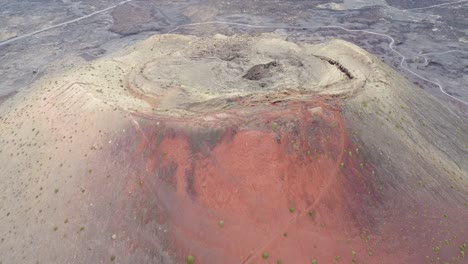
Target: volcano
[232, 149]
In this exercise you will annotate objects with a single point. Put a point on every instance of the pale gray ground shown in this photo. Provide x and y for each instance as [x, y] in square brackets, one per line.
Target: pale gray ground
[50, 146]
[422, 31]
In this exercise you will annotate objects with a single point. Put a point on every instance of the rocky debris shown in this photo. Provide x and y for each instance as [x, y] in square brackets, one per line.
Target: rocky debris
[336, 158]
[261, 71]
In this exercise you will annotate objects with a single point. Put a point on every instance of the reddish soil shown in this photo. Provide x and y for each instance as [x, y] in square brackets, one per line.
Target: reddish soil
[251, 172]
[283, 179]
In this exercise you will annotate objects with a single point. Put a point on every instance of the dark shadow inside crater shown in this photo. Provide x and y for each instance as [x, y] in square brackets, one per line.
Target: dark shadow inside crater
[261, 71]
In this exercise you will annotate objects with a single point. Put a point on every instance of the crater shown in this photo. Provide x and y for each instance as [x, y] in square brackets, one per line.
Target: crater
[177, 75]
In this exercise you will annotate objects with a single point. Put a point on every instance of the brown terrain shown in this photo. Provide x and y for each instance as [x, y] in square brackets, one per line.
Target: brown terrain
[232, 150]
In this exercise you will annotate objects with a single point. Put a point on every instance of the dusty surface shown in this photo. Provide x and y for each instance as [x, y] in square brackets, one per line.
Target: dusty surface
[180, 75]
[431, 34]
[229, 148]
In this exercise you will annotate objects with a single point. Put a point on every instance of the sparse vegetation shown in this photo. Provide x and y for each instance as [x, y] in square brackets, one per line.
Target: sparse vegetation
[274, 125]
[303, 139]
[462, 250]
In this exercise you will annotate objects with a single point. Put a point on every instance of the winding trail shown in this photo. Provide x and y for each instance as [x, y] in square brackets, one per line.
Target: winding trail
[428, 54]
[432, 6]
[326, 189]
[402, 57]
[390, 45]
[443, 52]
[6, 42]
[392, 41]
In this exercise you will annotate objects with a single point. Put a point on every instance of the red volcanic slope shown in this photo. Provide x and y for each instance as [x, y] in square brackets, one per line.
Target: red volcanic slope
[254, 183]
[282, 179]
